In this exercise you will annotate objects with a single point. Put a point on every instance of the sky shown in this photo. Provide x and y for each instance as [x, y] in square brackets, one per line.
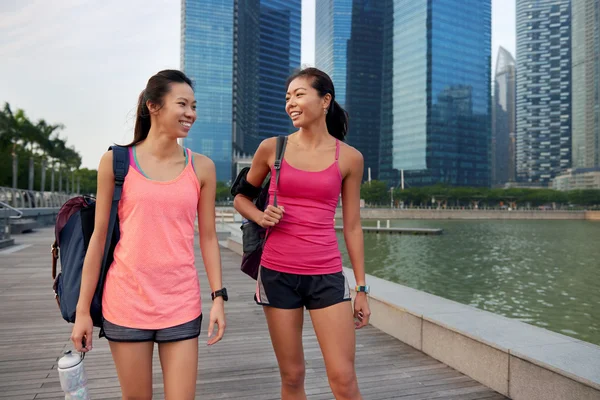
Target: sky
[83, 63]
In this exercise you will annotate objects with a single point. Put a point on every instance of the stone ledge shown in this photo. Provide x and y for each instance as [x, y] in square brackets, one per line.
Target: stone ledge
[592, 215]
[235, 244]
[480, 344]
[506, 355]
[4, 243]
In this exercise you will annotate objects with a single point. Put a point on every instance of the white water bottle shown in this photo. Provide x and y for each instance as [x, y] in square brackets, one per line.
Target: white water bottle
[73, 379]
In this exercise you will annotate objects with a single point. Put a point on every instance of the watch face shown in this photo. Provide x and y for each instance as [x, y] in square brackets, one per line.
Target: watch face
[222, 293]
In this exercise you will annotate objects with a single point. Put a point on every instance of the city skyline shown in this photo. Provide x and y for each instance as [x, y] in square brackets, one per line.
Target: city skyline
[81, 64]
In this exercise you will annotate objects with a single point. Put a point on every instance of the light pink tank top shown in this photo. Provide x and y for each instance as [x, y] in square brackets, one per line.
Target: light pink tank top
[152, 282]
[304, 241]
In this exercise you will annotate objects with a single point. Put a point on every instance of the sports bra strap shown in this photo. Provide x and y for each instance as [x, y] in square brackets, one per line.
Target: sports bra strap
[337, 149]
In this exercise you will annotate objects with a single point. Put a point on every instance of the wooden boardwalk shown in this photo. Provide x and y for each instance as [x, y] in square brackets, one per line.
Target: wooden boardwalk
[33, 336]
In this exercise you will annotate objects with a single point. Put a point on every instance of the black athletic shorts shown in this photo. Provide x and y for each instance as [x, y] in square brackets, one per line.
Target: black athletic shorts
[117, 333]
[289, 291]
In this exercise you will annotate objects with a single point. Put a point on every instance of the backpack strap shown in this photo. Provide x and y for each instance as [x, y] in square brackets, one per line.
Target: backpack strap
[281, 143]
[120, 169]
[54, 251]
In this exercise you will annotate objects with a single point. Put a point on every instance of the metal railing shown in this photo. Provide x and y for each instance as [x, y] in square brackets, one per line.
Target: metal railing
[5, 227]
[22, 198]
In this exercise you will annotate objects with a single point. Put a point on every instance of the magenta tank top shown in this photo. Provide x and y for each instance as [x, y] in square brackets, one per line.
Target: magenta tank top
[304, 242]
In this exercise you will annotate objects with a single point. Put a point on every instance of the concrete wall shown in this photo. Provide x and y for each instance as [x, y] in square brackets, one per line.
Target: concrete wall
[36, 217]
[592, 215]
[387, 213]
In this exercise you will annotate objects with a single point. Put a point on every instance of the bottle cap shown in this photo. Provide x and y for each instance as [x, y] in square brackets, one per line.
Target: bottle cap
[69, 360]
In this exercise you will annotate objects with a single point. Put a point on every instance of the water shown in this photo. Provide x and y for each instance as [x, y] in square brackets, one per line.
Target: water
[546, 273]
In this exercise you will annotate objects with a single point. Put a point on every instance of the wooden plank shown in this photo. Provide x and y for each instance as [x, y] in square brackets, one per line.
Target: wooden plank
[33, 337]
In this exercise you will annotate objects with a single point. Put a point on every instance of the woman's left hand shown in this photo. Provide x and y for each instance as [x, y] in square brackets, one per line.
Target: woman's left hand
[217, 316]
[362, 312]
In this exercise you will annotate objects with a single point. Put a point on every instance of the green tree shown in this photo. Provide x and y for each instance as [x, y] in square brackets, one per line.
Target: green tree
[223, 193]
[584, 197]
[375, 193]
[88, 181]
[39, 141]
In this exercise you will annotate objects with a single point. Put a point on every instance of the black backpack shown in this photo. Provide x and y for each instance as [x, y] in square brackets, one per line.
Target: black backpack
[73, 230]
[253, 235]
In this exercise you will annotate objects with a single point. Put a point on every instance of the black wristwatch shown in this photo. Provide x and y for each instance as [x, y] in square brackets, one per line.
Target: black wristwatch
[220, 292]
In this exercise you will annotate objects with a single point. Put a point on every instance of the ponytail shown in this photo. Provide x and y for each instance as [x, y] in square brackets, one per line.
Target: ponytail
[156, 89]
[337, 121]
[142, 120]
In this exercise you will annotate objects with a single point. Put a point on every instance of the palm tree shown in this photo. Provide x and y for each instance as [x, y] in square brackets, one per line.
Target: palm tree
[45, 145]
[38, 141]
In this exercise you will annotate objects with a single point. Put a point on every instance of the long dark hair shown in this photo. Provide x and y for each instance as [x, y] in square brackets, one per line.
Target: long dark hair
[156, 89]
[337, 117]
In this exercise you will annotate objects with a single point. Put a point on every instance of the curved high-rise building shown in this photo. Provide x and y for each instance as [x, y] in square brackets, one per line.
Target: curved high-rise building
[503, 120]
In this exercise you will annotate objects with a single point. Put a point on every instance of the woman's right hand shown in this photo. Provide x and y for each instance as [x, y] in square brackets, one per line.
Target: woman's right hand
[271, 216]
[82, 332]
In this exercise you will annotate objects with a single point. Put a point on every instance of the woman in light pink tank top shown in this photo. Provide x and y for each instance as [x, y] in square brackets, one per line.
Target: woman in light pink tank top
[151, 291]
[301, 265]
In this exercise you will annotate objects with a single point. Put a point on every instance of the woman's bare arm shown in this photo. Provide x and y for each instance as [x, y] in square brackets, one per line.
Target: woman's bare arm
[261, 165]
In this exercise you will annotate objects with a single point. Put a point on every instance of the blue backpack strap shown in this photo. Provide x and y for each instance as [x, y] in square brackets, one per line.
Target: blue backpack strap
[120, 169]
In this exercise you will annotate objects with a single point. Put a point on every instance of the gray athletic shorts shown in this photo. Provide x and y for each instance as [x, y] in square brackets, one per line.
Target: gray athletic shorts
[117, 333]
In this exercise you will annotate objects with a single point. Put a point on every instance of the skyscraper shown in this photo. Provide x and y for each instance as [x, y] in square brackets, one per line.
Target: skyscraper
[333, 27]
[417, 85]
[239, 54]
[503, 120]
[207, 58]
[543, 89]
[364, 81]
[348, 47]
[279, 56]
[246, 48]
[386, 171]
[586, 83]
[441, 128]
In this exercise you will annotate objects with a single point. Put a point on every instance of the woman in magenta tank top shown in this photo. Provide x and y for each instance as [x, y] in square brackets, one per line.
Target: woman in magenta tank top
[301, 265]
[152, 293]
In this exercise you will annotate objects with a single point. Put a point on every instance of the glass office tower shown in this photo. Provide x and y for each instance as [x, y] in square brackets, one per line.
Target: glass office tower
[543, 90]
[441, 128]
[239, 54]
